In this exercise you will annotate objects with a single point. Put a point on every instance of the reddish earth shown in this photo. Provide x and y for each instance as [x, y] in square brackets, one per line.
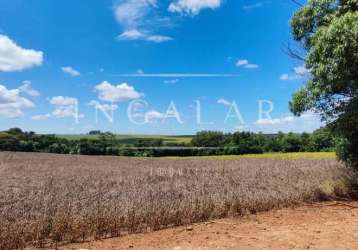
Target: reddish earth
[318, 226]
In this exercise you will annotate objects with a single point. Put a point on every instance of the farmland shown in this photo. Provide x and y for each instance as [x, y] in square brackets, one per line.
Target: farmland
[131, 139]
[277, 156]
[47, 199]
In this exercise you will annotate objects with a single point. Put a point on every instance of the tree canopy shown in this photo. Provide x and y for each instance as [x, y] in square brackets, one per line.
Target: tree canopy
[328, 31]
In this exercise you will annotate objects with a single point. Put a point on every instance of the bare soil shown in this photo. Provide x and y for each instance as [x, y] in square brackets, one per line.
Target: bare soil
[318, 226]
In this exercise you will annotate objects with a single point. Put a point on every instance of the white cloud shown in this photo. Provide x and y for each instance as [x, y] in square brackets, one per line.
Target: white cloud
[138, 105]
[15, 58]
[193, 7]
[153, 115]
[131, 13]
[12, 104]
[131, 35]
[158, 38]
[26, 87]
[63, 101]
[141, 19]
[65, 107]
[103, 106]
[246, 64]
[287, 77]
[242, 62]
[116, 93]
[307, 122]
[137, 18]
[136, 35]
[171, 81]
[224, 102]
[277, 121]
[140, 71]
[71, 71]
[64, 112]
[284, 77]
[299, 72]
[41, 117]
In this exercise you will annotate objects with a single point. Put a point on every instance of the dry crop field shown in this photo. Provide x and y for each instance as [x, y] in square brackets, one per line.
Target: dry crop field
[47, 200]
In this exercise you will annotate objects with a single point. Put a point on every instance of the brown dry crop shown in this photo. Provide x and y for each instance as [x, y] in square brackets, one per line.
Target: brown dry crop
[55, 199]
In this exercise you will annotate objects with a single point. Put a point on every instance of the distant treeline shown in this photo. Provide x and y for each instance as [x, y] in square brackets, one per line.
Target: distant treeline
[203, 144]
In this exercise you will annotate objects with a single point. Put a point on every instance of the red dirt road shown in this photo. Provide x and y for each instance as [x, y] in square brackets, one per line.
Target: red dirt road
[319, 226]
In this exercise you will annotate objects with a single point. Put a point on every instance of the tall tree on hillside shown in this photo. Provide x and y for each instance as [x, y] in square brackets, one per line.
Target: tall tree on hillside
[328, 31]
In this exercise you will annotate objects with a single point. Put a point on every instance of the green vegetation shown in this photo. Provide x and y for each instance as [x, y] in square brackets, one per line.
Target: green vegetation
[132, 139]
[328, 31]
[206, 143]
[250, 143]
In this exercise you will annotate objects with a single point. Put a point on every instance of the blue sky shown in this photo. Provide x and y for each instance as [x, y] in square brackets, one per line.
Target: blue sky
[60, 62]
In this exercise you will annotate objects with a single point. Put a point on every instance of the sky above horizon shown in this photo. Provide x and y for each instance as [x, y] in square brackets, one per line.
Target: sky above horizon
[148, 66]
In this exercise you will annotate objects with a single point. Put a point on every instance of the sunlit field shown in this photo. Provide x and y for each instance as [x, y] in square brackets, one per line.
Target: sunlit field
[48, 199]
[130, 139]
[279, 156]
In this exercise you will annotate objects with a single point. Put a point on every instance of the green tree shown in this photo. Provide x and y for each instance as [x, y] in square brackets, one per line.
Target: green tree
[209, 139]
[328, 30]
[322, 140]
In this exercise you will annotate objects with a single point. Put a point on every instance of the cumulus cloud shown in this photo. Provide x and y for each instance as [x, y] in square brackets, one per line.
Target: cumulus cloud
[137, 18]
[65, 107]
[63, 101]
[12, 104]
[193, 7]
[246, 64]
[71, 71]
[15, 58]
[26, 88]
[307, 122]
[141, 19]
[151, 116]
[116, 93]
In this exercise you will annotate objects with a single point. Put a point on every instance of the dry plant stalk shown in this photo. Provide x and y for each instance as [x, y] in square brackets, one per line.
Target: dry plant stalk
[46, 200]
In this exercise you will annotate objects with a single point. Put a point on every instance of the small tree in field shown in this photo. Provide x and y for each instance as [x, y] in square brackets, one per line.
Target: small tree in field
[328, 31]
